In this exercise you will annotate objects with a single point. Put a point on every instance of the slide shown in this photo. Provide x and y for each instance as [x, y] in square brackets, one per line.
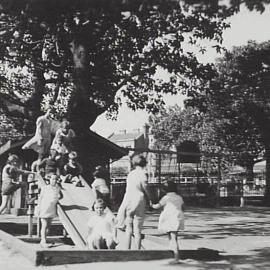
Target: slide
[74, 210]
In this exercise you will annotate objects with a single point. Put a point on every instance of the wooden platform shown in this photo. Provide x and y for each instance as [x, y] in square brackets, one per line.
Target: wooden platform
[70, 256]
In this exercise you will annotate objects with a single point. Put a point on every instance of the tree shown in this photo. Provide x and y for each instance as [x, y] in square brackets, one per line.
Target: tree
[86, 51]
[174, 125]
[240, 95]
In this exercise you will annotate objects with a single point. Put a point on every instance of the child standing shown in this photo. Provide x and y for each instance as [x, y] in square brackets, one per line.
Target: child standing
[101, 228]
[10, 181]
[47, 210]
[171, 219]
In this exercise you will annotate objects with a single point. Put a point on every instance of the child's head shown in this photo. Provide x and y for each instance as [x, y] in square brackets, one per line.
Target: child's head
[99, 206]
[53, 179]
[170, 186]
[13, 159]
[65, 125]
[72, 156]
[100, 172]
[139, 160]
[53, 153]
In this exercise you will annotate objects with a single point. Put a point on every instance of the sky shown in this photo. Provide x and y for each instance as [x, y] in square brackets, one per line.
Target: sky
[245, 25]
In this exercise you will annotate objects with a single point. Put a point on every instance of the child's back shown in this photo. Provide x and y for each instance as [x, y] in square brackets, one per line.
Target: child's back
[172, 216]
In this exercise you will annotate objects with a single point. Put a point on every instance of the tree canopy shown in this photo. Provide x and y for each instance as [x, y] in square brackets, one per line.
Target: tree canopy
[80, 56]
[239, 94]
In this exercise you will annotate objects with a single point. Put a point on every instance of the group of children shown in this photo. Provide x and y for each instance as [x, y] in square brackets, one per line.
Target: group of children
[62, 165]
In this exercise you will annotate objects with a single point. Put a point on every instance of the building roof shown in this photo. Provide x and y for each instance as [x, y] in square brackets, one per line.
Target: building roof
[119, 137]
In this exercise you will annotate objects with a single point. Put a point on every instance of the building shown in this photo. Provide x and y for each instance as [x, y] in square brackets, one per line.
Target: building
[137, 141]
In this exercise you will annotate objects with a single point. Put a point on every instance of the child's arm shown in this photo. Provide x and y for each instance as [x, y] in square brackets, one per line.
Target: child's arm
[155, 206]
[60, 196]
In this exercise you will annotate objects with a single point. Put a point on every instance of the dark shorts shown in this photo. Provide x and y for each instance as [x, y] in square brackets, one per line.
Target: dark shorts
[11, 188]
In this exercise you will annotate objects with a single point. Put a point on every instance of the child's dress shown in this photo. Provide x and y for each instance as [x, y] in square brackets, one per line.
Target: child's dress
[172, 217]
[101, 228]
[49, 197]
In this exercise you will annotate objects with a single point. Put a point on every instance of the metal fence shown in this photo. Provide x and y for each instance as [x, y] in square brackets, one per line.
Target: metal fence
[197, 192]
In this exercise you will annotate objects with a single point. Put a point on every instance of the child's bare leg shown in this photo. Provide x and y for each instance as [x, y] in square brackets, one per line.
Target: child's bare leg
[174, 244]
[5, 199]
[49, 223]
[43, 231]
[137, 234]
[129, 232]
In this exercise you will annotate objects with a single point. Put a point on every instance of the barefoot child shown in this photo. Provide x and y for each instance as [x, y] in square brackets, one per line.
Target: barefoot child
[10, 181]
[47, 210]
[171, 219]
[101, 228]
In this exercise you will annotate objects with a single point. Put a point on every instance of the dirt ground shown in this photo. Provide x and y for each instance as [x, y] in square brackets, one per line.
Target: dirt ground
[241, 235]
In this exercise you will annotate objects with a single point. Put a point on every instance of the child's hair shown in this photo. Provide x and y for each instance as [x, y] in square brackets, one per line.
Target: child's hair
[11, 158]
[72, 155]
[99, 172]
[170, 186]
[139, 160]
[99, 201]
[65, 124]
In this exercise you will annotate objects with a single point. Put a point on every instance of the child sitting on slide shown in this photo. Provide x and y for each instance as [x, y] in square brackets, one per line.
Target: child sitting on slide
[101, 228]
[72, 170]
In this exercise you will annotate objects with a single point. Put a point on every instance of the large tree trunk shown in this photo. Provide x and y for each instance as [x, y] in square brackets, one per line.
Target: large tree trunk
[249, 171]
[82, 109]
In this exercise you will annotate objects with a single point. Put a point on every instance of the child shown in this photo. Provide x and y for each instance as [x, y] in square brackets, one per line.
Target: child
[51, 164]
[99, 185]
[59, 146]
[72, 170]
[47, 210]
[10, 181]
[101, 227]
[171, 219]
[132, 209]
[66, 134]
[42, 140]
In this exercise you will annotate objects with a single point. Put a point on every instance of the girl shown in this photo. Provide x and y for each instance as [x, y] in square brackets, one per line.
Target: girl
[41, 142]
[47, 206]
[134, 202]
[171, 219]
[101, 228]
[99, 185]
[10, 181]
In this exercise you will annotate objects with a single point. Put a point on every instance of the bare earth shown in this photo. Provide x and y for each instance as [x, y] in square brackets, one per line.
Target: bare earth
[241, 235]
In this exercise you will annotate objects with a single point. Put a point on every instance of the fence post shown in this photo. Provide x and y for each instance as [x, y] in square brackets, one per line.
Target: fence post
[219, 181]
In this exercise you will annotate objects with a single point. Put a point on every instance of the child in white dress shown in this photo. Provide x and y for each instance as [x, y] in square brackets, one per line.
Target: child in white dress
[47, 206]
[101, 228]
[171, 219]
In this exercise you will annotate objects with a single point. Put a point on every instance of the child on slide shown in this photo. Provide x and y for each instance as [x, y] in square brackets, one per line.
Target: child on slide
[101, 228]
[72, 170]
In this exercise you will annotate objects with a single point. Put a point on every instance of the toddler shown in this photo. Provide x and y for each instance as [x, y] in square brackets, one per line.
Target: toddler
[101, 228]
[171, 219]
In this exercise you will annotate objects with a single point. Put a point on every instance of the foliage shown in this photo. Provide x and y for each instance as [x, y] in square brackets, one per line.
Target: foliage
[87, 52]
[239, 95]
